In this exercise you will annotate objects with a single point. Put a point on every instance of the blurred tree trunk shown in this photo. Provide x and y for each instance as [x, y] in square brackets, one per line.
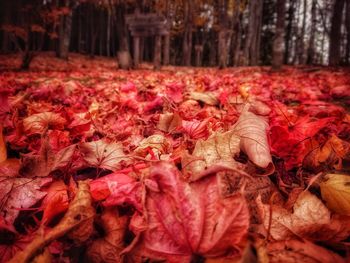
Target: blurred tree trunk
[187, 37]
[6, 10]
[288, 38]
[335, 33]
[311, 46]
[166, 45]
[223, 34]
[347, 22]
[252, 43]
[65, 32]
[278, 47]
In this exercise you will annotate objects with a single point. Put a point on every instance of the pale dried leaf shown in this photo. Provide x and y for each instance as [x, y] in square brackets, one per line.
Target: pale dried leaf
[252, 131]
[335, 190]
[157, 143]
[206, 97]
[40, 122]
[102, 154]
[214, 154]
[168, 122]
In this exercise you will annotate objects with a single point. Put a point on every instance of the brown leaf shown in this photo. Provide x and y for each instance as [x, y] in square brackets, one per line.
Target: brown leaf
[38, 123]
[335, 190]
[207, 97]
[331, 154]
[168, 122]
[46, 161]
[212, 155]
[310, 219]
[157, 143]
[77, 222]
[102, 154]
[108, 248]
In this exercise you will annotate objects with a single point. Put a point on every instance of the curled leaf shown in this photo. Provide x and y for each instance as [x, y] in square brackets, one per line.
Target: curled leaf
[252, 131]
[38, 123]
[207, 97]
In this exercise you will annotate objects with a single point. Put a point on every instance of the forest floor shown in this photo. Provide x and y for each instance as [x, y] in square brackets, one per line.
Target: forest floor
[183, 164]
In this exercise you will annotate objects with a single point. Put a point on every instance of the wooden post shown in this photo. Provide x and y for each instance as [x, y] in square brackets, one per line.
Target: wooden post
[157, 52]
[136, 51]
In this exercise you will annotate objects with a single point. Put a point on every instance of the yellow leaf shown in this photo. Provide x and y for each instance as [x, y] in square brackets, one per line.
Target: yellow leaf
[3, 152]
[335, 190]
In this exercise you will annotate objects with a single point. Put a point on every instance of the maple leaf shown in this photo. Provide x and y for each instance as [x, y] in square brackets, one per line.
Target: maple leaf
[38, 123]
[185, 219]
[102, 154]
[19, 193]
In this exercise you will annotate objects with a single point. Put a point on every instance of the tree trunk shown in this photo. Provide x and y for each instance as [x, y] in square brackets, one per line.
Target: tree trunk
[166, 45]
[278, 47]
[311, 48]
[252, 42]
[288, 39]
[335, 33]
[187, 37]
[65, 33]
[157, 52]
[347, 22]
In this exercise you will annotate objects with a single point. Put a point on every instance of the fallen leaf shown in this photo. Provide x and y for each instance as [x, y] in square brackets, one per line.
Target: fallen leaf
[55, 202]
[157, 143]
[190, 218]
[40, 122]
[108, 249]
[77, 223]
[253, 139]
[310, 219]
[212, 155]
[19, 193]
[331, 154]
[335, 190]
[102, 154]
[168, 122]
[206, 97]
[291, 251]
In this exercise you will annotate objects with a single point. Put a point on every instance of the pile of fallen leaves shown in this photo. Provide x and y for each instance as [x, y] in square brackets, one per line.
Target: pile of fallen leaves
[181, 165]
